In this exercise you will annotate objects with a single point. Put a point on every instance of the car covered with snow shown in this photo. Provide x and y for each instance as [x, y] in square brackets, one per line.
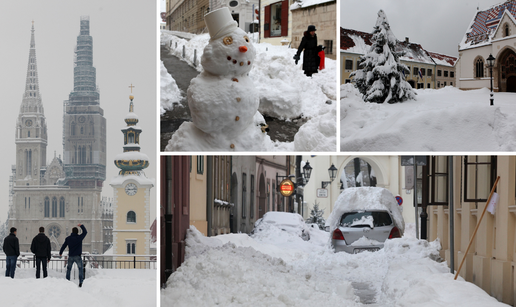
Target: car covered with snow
[292, 223]
[363, 219]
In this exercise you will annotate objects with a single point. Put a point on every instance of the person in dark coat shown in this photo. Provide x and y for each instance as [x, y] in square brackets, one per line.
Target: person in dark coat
[74, 243]
[41, 248]
[11, 249]
[310, 55]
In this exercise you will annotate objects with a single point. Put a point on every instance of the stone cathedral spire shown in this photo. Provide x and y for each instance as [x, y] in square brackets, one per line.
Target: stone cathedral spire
[31, 127]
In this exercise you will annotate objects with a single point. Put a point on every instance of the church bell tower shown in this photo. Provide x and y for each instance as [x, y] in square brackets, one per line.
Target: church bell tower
[31, 127]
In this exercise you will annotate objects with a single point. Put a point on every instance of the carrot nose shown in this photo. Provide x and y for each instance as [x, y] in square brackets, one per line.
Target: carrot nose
[242, 48]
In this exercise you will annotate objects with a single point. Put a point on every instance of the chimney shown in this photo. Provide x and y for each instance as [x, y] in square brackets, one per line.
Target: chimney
[406, 40]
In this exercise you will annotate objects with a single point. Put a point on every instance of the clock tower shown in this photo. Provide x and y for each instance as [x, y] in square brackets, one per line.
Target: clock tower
[131, 203]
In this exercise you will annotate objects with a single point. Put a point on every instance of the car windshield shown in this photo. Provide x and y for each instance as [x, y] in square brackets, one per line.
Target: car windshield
[365, 218]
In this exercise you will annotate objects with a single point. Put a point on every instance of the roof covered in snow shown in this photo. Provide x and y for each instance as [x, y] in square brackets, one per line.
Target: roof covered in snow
[484, 24]
[307, 3]
[354, 41]
[443, 59]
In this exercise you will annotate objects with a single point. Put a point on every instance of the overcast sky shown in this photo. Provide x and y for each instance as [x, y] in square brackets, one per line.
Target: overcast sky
[124, 52]
[438, 25]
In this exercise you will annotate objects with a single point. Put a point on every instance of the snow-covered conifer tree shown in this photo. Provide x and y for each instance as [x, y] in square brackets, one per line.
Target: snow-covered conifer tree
[316, 216]
[380, 77]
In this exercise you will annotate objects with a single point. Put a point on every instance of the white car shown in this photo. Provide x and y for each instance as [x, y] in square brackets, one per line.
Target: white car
[286, 221]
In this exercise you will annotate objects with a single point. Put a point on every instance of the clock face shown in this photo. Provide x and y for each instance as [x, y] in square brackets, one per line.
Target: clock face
[131, 189]
[28, 123]
[82, 119]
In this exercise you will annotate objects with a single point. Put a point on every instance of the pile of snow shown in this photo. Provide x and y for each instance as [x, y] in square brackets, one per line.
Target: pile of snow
[170, 94]
[236, 270]
[239, 276]
[362, 199]
[446, 119]
[103, 287]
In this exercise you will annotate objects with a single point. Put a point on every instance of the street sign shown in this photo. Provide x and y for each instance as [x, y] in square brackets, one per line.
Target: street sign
[322, 193]
[399, 200]
[286, 187]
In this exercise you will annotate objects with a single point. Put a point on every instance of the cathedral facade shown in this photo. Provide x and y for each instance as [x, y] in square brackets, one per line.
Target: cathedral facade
[66, 192]
[491, 32]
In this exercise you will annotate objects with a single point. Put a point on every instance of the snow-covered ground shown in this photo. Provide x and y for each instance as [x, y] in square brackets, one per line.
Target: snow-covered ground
[170, 94]
[281, 269]
[110, 288]
[284, 91]
[447, 119]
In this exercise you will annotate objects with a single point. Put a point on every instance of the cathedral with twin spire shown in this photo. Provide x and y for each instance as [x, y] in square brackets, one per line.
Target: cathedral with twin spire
[66, 192]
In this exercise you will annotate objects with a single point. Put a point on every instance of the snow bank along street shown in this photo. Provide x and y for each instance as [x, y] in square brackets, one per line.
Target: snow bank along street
[284, 91]
[447, 119]
[110, 288]
[275, 268]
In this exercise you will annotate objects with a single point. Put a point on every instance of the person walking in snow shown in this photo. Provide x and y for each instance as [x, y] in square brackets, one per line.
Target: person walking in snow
[310, 56]
[41, 248]
[74, 243]
[11, 249]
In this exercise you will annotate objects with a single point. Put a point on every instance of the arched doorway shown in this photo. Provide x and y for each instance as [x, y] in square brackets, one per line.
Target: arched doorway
[506, 66]
[357, 173]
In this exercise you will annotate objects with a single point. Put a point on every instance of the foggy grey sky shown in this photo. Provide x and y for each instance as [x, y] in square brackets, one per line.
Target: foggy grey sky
[124, 52]
[438, 25]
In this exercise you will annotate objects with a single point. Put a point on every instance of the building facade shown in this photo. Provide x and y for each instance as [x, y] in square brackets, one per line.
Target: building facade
[187, 15]
[491, 32]
[131, 195]
[490, 262]
[243, 180]
[276, 22]
[68, 190]
[445, 69]
[322, 14]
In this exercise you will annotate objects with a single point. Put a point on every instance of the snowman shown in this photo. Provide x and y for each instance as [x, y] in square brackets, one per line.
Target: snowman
[222, 99]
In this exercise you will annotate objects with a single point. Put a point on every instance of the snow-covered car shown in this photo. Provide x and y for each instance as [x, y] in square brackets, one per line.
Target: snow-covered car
[363, 219]
[286, 221]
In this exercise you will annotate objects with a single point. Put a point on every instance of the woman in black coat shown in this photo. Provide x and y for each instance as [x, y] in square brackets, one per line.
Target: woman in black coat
[310, 56]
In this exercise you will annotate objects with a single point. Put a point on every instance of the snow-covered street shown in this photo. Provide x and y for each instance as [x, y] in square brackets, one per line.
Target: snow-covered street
[275, 268]
[113, 288]
[447, 119]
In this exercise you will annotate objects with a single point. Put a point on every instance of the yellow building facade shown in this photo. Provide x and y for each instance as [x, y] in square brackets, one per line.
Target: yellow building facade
[131, 198]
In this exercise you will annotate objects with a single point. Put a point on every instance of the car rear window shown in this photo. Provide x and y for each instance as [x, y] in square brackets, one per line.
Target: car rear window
[366, 218]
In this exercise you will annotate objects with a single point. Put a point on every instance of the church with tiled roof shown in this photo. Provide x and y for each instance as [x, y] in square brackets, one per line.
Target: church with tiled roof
[492, 31]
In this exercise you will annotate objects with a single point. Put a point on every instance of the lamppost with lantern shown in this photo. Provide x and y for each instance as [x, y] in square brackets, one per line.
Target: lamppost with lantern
[490, 64]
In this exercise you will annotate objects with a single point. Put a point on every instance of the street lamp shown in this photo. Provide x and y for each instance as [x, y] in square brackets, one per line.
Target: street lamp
[307, 171]
[332, 171]
[490, 64]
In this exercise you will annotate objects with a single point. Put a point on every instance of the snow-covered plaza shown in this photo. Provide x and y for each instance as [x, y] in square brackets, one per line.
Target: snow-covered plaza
[447, 119]
[275, 268]
[102, 287]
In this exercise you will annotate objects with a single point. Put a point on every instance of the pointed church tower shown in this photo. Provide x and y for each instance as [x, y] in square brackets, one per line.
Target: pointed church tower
[31, 127]
[131, 204]
[84, 127]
